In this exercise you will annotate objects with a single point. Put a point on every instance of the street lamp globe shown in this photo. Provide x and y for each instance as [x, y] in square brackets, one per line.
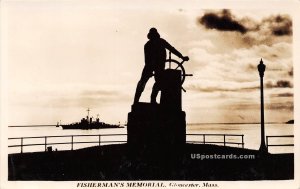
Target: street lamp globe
[261, 68]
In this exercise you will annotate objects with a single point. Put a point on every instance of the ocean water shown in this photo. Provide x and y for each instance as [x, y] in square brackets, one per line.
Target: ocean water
[251, 134]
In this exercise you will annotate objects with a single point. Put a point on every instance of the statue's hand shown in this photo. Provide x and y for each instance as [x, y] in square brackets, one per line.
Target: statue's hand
[185, 58]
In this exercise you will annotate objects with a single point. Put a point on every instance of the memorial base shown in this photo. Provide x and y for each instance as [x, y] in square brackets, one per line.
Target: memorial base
[153, 125]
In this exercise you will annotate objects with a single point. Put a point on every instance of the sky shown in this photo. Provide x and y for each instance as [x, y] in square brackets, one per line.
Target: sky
[62, 58]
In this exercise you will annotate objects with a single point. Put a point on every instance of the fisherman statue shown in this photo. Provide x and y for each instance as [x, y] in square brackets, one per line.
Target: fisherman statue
[155, 59]
[163, 125]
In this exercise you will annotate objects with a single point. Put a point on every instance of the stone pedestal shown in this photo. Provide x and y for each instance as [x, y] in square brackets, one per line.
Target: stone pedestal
[159, 124]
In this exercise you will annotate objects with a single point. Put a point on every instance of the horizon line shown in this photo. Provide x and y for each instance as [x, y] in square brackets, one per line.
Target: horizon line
[211, 123]
[192, 123]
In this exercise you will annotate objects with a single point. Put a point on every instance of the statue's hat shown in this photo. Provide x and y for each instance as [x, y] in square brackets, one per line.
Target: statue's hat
[153, 34]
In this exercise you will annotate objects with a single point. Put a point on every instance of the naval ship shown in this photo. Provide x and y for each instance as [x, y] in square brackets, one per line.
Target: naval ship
[89, 123]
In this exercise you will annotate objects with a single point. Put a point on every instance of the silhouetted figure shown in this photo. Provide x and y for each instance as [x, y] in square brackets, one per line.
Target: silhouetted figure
[155, 58]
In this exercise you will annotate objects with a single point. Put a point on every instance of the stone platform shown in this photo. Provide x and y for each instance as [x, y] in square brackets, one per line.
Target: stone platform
[152, 124]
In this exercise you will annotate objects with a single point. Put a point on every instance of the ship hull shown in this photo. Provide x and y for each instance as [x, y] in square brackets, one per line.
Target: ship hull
[87, 127]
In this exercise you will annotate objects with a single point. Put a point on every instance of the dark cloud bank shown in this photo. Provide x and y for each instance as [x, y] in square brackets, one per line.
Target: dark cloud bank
[280, 84]
[279, 25]
[223, 22]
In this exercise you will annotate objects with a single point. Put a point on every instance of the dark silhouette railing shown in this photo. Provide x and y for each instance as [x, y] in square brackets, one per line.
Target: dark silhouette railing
[224, 142]
[45, 142]
[278, 136]
[99, 140]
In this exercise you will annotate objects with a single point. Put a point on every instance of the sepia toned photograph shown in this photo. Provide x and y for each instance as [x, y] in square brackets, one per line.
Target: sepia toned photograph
[138, 94]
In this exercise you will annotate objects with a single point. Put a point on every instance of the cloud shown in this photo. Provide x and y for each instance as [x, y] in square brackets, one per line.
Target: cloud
[280, 106]
[223, 86]
[291, 72]
[282, 95]
[275, 51]
[236, 71]
[91, 98]
[223, 21]
[279, 84]
[278, 25]
[84, 101]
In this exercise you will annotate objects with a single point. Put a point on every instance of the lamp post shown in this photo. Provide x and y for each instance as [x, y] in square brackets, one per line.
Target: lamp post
[261, 69]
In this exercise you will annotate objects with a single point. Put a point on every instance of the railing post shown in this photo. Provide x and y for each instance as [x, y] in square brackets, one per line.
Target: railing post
[21, 145]
[99, 140]
[203, 138]
[267, 141]
[224, 140]
[45, 143]
[242, 141]
[72, 142]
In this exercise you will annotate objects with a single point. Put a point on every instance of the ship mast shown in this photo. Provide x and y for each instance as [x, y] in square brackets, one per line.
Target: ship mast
[88, 110]
[88, 116]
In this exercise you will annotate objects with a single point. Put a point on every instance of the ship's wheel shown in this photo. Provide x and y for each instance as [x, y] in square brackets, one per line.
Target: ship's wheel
[176, 65]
